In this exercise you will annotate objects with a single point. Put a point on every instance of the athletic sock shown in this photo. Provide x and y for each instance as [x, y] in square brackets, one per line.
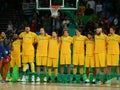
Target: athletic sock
[32, 67]
[81, 70]
[74, 70]
[56, 71]
[98, 77]
[49, 71]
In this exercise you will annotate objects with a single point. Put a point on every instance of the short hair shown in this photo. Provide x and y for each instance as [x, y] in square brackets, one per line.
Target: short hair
[66, 30]
[79, 30]
[113, 28]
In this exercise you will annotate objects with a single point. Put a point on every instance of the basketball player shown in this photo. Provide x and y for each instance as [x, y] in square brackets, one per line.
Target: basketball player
[113, 41]
[100, 51]
[15, 53]
[78, 52]
[42, 52]
[28, 39]
[53, 53]
[90, 61]
[65, 54]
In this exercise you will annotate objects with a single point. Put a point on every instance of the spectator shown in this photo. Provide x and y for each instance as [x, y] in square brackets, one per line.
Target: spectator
[90, 26]
[99, 8]
[91, 3]
[80, 23]
[33, 26]
[116, 22]
[10, 26]
[65, 23]
[88, 10]
[82, 9]
[58, 26]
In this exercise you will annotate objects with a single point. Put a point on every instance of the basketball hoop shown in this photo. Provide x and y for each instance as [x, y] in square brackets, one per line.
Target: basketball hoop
[54, 10]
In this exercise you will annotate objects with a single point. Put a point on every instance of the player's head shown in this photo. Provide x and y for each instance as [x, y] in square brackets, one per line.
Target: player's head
[112, 30]
[15, 36]
[27, 29]
[54, 34]
[78, 31]
[42, 31]
[66, 33]
[98, 31]
[90, 35]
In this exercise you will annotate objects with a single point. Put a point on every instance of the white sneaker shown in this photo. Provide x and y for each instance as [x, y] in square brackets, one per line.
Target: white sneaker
[45, 79]
[108, 82]
[23, 78]
[94, 80]
[38, 79]
[33, 78]
[87, 81]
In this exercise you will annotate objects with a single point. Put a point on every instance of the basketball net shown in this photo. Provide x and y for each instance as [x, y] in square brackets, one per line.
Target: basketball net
[54, 10]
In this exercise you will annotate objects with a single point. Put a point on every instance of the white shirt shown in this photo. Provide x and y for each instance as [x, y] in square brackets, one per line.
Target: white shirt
[92, 4]
[99, 8]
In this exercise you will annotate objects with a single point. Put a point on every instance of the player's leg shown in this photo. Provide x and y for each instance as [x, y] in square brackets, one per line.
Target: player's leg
[25, 60]
[62, 63]
[49, 65]
[68, 63]
[103, 67]
[75, 63]
[18, 64]
[38, 65]
[12, 64]
[44, 64]
[97, 65]
[109, 64]
[81, 63]
[87, 65]
[115, 62]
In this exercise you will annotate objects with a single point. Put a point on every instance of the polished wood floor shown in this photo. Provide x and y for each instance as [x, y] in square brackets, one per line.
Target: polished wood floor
[45, 86]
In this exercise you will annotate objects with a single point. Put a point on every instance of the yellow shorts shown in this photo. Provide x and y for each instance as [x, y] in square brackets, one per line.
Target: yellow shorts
[15, 61]
[78, 59]
[112, 59]
[65, 59]
[52, 62]
[27, 59]
[41, 60]
[100, 60]
[90, 61]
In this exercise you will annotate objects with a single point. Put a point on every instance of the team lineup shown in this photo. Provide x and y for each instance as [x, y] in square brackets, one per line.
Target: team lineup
[99, 52]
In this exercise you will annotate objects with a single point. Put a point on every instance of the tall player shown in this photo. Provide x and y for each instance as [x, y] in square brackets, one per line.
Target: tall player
[15, 52]
[113, 41]
[78, 51]
[90, 61]
[28, 39]
[100, 51]
[65, 54]
[42, 52]
[53, 53]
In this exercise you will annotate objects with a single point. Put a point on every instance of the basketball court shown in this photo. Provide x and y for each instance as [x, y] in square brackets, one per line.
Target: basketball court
[45, 86]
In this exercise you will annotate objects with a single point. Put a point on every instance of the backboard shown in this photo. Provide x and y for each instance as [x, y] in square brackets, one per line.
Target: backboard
[64, 4]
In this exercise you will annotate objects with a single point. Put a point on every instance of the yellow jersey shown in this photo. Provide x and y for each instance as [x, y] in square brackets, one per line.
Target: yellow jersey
[53, 48]
[90, 47]
[28, 39]
[42, 45]
[100, 43]
[113, 44]
[78, 44]
[66, 44]
[16, 47]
